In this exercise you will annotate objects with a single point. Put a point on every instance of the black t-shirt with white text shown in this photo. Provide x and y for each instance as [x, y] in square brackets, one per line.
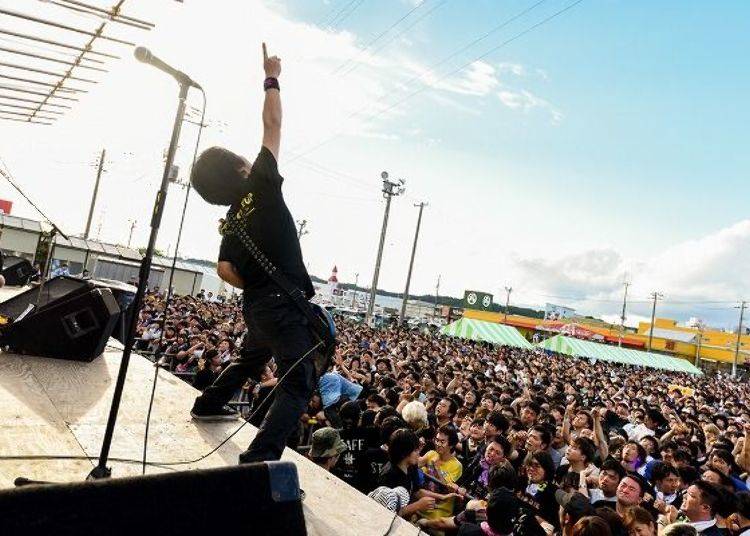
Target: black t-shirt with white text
[272, 228]
[349, 467]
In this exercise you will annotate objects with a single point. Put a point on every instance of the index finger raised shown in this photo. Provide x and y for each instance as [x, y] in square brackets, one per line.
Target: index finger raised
[265, 52]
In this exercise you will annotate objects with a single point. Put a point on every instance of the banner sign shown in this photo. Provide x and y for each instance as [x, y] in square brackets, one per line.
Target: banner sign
[474, 299]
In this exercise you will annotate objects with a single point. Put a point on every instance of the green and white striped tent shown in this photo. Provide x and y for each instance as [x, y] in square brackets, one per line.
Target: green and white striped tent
[576, 347]
[477, 330]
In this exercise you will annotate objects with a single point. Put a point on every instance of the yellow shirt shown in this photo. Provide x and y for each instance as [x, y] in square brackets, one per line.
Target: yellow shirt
[448, 471]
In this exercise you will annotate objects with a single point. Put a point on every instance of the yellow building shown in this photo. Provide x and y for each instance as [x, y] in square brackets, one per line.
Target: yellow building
[710, 347]
[706, 348]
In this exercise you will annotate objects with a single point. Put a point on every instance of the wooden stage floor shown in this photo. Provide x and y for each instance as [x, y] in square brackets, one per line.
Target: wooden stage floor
[58, 407]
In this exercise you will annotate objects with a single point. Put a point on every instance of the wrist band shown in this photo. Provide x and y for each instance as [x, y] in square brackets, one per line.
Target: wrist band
[271, 83]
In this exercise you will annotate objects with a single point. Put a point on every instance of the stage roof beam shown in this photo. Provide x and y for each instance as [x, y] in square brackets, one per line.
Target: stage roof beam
[59, 44]
[80, 7]
[31, 18]
[32, 101]
[48, 58]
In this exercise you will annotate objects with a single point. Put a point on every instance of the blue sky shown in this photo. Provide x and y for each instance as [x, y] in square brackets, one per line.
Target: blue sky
[606, 144]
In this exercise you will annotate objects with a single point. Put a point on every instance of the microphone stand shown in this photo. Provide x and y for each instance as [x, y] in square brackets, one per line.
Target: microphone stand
[101, 470]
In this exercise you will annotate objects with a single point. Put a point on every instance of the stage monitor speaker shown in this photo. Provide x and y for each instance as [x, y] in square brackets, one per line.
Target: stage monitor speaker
[41, 296]
[17, 271]
[261, 498]
[76, 326]
[124, 294]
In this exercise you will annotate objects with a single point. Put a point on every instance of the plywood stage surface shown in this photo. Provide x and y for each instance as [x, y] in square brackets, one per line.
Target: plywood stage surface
[58, 407]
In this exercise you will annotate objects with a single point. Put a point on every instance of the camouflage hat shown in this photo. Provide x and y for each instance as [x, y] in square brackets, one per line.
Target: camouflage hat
[326, 443]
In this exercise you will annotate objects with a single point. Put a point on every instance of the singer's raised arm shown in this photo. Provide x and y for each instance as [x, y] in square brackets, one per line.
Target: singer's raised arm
[272, 104]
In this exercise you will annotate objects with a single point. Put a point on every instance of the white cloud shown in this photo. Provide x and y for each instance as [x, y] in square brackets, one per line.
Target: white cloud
[712, 268]
[513, 68]
[479, 79]
[526, 101]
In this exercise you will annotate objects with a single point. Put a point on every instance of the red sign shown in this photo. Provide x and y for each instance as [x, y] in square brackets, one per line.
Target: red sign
[5, 206]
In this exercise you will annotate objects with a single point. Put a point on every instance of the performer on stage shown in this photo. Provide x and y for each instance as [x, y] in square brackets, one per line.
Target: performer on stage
[276, 327]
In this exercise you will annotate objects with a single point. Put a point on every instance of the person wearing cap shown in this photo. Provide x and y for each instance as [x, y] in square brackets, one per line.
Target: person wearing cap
[326, 447]
[573, 506]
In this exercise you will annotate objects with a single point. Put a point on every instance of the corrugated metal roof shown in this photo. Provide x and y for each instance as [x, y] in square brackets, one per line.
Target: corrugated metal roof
[116, 260]
[17, 222]
[129, 253]
[109, 249]
[672, 335]
[95, 246]
[73, 242]
[166, 262]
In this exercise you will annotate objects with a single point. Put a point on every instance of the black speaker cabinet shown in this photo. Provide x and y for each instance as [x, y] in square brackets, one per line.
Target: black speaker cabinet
[17, 271]
[261, 498]
[68, 319]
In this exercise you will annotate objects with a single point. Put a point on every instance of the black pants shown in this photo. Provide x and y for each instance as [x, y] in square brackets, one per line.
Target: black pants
[275, 327]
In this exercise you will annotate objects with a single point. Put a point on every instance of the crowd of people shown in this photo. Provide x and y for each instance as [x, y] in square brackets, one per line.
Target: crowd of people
[467, 438]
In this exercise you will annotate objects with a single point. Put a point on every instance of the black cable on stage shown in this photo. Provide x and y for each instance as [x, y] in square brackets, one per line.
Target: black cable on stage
[171, 279]
[168, 464]
[247, 421]
[390, 525]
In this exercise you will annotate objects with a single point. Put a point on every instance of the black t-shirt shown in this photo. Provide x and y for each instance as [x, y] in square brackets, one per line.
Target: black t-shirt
[272, 228]
[349, 466]
[371, 467]
[204, 378]
[392, 477]
[470, 529]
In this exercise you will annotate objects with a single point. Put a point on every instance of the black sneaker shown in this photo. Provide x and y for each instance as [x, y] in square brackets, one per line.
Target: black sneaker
[217, 414]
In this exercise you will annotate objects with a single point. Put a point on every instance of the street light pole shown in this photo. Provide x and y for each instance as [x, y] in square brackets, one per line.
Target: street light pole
[132, 226]
[622, 316]
[508, 290]
[437, 291]
[302, 231]
[402, 315]
[655, 296]
[739, 336]
[390, 189]
[354, 292]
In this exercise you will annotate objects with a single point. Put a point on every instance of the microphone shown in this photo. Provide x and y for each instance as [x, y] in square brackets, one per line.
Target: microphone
[144, 55]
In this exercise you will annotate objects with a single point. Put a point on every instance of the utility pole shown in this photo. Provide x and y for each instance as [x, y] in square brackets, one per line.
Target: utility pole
[411, 263]
[354, 293]
[622, 316]
[302, 231]
[390, 189]
[508, 290]
[739, 336]
[655, 296]
[437, 291]
[698, 348]
[93, 197]
[132, 226]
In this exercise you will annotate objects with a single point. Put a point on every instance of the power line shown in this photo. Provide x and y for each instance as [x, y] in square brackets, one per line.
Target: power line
[399, 34]
[334, 13]
[378, 37]
[482, 56]
[343, 15]
[426, 85]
